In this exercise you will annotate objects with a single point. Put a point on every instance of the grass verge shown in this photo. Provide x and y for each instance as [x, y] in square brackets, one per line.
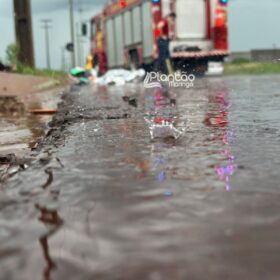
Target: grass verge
[60, 76]
[245, 67]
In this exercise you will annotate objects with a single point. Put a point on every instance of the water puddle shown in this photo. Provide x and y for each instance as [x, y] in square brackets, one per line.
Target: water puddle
[131, 204]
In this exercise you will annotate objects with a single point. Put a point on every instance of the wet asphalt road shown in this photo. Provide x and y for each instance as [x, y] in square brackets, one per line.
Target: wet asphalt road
[104, 201]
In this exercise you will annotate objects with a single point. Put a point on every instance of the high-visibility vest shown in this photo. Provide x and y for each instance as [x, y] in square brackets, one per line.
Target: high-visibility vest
[89, 64]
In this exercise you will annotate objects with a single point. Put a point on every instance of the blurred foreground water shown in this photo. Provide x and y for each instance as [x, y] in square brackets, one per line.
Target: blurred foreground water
[124, 206]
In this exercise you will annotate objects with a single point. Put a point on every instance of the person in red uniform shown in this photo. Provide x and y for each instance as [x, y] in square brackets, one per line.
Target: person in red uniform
[163, 42]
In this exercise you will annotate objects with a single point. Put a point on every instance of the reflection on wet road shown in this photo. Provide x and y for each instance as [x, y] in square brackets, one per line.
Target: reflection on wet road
[51, 219]
[125, 206]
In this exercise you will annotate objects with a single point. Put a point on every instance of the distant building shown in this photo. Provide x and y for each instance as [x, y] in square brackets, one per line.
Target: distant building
[265, 55]
[239, 55]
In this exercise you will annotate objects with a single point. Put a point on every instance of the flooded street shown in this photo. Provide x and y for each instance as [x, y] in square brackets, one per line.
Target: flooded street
[103, 200]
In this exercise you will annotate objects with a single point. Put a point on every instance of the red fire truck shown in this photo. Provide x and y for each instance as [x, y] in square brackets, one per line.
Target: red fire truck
[125, 33]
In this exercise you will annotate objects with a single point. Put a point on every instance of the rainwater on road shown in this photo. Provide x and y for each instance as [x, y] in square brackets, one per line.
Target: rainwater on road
[111, 203]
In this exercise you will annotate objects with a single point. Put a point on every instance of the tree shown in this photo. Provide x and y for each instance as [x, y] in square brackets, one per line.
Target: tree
[12, 53]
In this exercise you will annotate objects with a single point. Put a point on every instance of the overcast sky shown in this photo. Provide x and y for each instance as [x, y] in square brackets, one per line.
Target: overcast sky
[252, 24]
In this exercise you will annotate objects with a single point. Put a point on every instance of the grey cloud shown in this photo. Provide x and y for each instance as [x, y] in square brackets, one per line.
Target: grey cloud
[43, 6]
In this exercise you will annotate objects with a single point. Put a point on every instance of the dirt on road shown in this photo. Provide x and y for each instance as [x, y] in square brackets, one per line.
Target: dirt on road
[22, 85]
[19, 94]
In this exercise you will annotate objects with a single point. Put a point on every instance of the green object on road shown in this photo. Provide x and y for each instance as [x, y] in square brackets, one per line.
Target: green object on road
[77, 71]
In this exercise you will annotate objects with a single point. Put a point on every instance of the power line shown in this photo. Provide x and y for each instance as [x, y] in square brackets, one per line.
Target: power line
[80, 41]
[63, 60]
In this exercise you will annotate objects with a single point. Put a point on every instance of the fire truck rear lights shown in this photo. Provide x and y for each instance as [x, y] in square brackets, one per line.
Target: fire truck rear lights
[122, 3]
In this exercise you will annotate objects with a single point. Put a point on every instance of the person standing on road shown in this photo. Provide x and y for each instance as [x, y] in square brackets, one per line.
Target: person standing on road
[164, 63]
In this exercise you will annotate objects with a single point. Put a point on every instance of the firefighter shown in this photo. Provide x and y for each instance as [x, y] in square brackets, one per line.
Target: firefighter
[164, 63]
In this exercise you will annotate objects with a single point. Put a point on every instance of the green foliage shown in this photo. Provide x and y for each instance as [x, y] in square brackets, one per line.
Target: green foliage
[240, 60]
[59, 76]
[251, 68]
[12, 53]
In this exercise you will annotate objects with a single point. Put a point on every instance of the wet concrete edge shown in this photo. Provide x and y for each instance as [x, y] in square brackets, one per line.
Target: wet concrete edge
[54, 138]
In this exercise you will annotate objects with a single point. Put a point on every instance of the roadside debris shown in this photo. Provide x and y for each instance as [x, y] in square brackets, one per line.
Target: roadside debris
[131, 100]
[10, 165]
[118, 77]
[11, 105]
[8, 159]
[121, 77]
[43, 111]
[81, 76]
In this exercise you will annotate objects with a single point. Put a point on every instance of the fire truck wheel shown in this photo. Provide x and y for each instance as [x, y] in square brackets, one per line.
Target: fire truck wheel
[191, 66]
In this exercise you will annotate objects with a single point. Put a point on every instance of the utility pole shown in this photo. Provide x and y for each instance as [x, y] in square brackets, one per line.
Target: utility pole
[71, 13]
[46, 26]
[63, 61]
[79, 43]
[80, 38]
[23, 28]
